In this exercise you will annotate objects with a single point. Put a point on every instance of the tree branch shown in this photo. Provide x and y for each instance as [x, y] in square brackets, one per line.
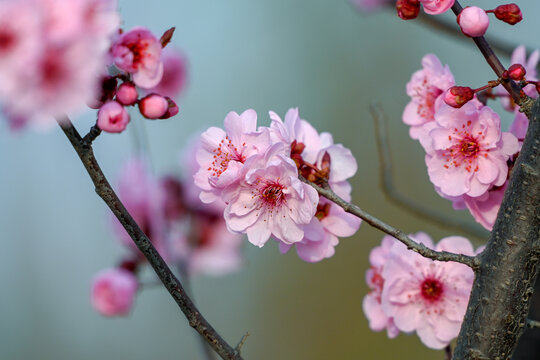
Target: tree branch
[508, 267]
[390, 230]
[169, 280]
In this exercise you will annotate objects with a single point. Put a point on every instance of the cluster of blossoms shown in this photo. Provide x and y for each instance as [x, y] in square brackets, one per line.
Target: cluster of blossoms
[54, 57]
[51, 55]
[410, 293]
[186, 232]
[255, 173]
[468, 156]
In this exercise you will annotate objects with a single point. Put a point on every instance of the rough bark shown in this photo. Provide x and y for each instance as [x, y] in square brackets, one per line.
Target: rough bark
[501, 295]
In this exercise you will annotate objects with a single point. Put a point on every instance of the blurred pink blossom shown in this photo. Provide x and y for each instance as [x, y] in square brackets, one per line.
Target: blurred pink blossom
[174, 76]
[113, 292]
[435, 7]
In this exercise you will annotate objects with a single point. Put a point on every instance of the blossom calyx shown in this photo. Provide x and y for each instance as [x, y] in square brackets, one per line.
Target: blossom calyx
[408, 9]
[457, 96]
[509, 13]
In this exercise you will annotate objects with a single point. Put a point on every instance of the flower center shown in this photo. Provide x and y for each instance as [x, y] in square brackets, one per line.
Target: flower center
[431, 289]
[322, 210]
[7, 40]
[465, 150]
[223, 154]
[272, 194]
[138, 49]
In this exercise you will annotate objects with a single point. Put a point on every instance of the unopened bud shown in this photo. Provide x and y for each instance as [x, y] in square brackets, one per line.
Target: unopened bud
[473, 21]
[457, 96]
[112, 117]
[127, 94]
[516, 72]
[153, 106]
[509, 13]
[408, 9]
[172, 109]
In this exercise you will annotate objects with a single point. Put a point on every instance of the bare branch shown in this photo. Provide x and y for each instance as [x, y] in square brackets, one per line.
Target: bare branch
[242, 342]
[169, 280]
[390, 230]
[387, 184]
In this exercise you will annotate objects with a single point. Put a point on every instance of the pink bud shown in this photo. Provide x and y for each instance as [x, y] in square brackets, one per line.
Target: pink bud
[408, 9]
[457, 96]
[113, 292]
[153, 106]
[516, 72]
[473, 21]
[127, 94]
[112, 117]
[172, 109]
[509, 13]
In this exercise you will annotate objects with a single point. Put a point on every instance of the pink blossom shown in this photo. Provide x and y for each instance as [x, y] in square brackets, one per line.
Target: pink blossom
[269, 199]
[519, 56]
[222, 154]
[113, 292]
[425, 89]
[371, 304]
[174, 76]
[520, 125]
[434, 7]
[427, 296]
[473, 21]
[112, 117]
[138, 52]
[469, 151]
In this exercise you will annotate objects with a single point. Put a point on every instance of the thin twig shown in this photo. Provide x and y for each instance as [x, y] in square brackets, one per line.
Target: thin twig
[419, 248]
[242, 342]
[94, 132]
[387, 183]
[170, 281]
[534, 324]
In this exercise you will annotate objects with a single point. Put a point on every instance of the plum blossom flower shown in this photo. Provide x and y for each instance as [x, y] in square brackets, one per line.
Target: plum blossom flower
[138, 51]
[425, 89]
[484, 208]
[469, 152]
[113, 292]
[435, 7]
[269, 199]
[426, 296]
[378, 320]
[222, 154]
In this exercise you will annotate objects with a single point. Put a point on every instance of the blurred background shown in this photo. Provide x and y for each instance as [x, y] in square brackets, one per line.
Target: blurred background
[324, 57]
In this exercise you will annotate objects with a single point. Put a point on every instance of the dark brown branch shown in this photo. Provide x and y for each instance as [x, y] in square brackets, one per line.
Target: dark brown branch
[171, 283]
[392, 231]
[501, 295]
[387, 184]
[94, 132]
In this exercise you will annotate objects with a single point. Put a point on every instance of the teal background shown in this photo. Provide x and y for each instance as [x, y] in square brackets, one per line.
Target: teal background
[322, 56]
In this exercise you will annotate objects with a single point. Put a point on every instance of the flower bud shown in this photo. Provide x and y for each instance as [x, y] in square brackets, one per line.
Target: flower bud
[113, 292]
[106, 91]
[153, 106]
[509, 13]
[457, 96]
[473, 21]
[112, 117]
[516, 72]
[172, 109]
[127, 94]
[408, 9]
